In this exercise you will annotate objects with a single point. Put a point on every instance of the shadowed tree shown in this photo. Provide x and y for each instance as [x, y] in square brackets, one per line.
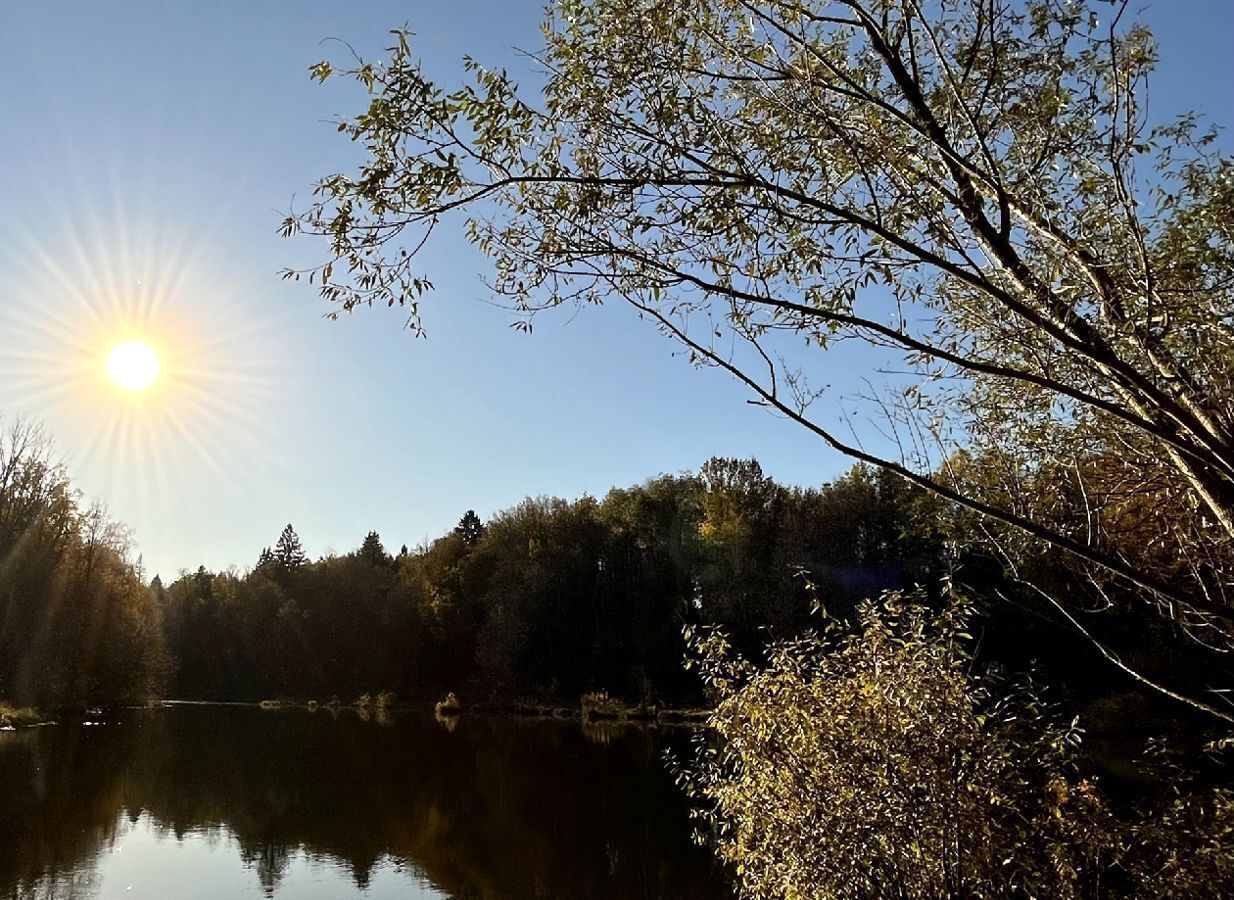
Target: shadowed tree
[288, 552]
[470, 528]
[373, 551]
[77, 623]
[264, 559]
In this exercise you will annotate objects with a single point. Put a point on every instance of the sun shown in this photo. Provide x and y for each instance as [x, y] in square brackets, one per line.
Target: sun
[133, 366]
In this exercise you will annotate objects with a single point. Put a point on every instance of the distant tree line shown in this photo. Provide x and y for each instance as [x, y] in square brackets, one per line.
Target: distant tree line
[548, 600]
[551, 598]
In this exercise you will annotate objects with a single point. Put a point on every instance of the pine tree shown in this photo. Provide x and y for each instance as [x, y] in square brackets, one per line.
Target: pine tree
[287, 552]
[470, 528]
[264, 560]
[373, 551]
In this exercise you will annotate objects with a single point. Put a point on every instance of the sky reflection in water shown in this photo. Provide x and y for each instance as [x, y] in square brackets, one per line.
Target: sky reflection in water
[216, 802]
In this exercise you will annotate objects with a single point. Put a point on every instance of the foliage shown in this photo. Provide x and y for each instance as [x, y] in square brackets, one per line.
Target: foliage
[77, 624]
[385, 699]
[15, 717]
[972, 188]
[288, 552]
[599, 705]
[470, 528]
[550, 599]
[870, 760]
[373, 551]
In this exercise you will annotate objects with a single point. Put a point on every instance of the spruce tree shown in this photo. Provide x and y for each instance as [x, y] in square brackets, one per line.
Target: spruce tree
[470, 528]
[288, 552]
[373, 551]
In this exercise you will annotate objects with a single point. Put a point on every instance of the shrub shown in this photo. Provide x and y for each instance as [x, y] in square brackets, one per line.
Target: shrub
[869, 761]
[448, 706]
[599, 705]
[18, 717]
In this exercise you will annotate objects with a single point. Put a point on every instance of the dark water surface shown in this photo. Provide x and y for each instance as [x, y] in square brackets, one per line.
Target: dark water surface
[235, 802]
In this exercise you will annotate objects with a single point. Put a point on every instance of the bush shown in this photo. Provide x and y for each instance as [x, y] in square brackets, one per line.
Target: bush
[18, 717]
[868, 761]
[449, 706]
[599, 705]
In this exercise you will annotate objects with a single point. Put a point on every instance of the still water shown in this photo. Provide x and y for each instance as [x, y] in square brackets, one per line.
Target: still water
[236, 802]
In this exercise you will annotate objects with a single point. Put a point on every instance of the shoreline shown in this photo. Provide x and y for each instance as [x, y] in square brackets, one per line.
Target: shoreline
[18, 718]
[611, 713]
[14, 718]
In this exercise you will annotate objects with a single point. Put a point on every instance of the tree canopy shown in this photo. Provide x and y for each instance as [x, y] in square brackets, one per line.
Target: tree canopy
[77, 623]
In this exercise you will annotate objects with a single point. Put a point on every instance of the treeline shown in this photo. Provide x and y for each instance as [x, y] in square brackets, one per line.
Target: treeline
[547, 601]
[77, 621]
[551, 599]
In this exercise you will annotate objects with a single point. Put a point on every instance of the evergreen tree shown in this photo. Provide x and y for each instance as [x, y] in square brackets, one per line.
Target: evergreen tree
[373, 551]
[264, 560]
[287, 552]
[470, 528]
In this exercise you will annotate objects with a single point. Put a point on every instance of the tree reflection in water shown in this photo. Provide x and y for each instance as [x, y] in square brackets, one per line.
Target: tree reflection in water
[496, 808]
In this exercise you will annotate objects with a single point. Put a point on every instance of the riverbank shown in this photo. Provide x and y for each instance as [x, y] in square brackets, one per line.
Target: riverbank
[14, 717]
[590, 709]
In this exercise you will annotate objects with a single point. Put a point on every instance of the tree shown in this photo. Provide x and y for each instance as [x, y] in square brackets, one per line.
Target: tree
[972, 187]
[470, 528]
[287, 552]
[77, 623]
[373, 551]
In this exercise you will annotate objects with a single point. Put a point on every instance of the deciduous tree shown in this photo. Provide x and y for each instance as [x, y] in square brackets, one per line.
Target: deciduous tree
[974, 187]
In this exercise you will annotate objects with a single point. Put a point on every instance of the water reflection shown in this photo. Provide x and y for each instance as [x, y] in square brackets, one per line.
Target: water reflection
[237, 802]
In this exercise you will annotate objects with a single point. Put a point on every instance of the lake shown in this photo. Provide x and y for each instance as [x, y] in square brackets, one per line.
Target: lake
[238, 802]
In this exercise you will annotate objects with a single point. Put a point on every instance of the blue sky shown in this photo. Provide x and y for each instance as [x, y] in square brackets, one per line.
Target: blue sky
[151, 150]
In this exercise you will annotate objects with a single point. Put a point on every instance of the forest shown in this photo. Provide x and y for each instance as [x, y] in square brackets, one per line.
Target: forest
[544, 602]
[547, 600]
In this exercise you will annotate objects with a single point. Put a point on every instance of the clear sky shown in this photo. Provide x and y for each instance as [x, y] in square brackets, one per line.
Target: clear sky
[150, 150]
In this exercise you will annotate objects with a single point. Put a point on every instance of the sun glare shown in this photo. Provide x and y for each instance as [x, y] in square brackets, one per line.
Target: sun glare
[133, 366]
